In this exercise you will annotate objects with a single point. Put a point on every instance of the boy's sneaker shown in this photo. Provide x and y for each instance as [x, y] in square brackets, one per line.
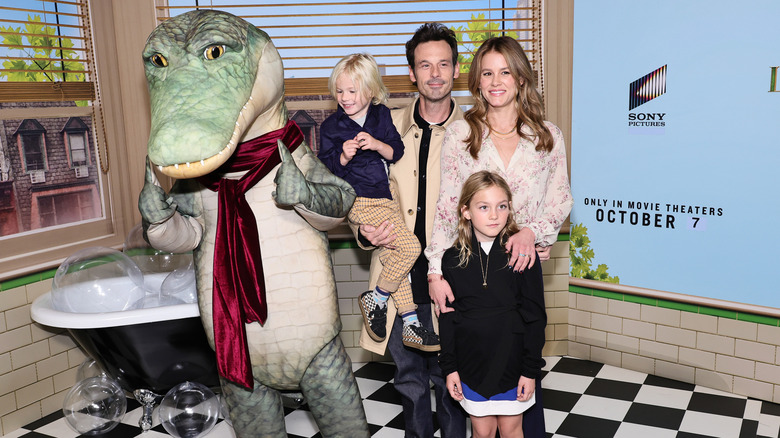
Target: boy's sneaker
[417, 336]
[374, 315]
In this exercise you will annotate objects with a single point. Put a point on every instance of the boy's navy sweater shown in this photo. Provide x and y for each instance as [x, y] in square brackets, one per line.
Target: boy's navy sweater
[366, 172]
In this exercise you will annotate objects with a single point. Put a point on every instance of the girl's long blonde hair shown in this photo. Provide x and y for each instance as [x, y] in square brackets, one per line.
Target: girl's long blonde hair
[530, 107]
[474, 184]
[364, 72]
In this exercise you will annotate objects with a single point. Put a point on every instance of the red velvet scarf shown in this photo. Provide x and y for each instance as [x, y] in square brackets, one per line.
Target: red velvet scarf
[239, 285]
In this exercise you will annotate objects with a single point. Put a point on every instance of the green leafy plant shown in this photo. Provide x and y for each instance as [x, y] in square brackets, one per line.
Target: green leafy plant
[581, 256]
[48, 57]
[473, 35]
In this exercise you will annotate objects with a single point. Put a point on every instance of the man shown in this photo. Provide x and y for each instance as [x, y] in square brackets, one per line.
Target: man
[432, 54]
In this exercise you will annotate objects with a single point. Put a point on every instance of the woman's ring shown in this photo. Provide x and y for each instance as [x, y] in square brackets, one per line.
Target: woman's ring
[523, 255]
[436, 306]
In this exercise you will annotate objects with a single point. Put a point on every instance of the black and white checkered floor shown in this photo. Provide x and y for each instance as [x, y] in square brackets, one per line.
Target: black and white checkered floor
[582, 399]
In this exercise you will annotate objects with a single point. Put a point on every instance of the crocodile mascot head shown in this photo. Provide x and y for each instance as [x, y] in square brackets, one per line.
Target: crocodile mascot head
[202, 64]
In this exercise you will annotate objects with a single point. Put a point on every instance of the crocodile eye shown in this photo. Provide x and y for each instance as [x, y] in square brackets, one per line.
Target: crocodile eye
[214, 52]
[158, 60]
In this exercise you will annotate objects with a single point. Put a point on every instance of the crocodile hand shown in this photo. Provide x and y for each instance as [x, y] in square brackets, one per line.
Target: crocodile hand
[311, 184]
[331, 195]
[153, 203]
[291, 186]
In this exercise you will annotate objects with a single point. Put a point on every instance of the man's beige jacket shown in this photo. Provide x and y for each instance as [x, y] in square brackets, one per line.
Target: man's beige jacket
[403, 183]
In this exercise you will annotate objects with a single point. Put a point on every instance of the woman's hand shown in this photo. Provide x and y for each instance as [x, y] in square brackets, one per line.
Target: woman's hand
[454, 386]
[440, 292]
[379, 236]
[521, 246]
[525, 388]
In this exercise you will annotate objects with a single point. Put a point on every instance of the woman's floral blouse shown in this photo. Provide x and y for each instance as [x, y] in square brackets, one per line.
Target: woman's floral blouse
[541, 195]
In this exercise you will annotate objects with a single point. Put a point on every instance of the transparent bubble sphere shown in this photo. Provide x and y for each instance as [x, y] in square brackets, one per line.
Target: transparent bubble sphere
[166, 275]
[189, 410]
[94, 406]
[97, 279]
[89, 368]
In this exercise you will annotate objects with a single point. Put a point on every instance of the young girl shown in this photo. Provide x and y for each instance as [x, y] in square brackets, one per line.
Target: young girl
[358, 142]
[491, 345]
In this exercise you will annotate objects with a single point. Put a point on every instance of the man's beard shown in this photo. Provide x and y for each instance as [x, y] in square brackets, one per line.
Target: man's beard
[432, 94]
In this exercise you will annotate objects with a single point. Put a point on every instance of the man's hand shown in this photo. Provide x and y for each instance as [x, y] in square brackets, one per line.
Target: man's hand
[544, 252]
[521, 246]
[440, 292]
[379, 236]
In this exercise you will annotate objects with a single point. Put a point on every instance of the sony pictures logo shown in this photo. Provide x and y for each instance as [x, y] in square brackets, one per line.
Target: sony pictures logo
[644, 90]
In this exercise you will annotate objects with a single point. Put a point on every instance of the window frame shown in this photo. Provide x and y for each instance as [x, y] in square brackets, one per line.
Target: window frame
[68, 138]
[33, 251]
[23, 144]
[82, 131]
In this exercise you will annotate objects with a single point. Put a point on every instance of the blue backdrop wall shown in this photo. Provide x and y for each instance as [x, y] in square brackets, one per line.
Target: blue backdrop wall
[676, 146]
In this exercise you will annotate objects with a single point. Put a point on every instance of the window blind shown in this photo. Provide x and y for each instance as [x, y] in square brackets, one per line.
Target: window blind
[46, 55]
[46, 52]
[312, 36]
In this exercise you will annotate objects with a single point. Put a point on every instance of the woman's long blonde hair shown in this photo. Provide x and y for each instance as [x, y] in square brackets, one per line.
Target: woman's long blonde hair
[474, 184]
[530, 107]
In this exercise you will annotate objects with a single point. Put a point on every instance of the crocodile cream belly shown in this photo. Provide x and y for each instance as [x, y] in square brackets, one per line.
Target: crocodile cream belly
[300, 288]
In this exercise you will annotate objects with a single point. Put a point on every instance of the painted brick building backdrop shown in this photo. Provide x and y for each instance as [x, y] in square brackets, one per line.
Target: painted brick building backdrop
[48, 171]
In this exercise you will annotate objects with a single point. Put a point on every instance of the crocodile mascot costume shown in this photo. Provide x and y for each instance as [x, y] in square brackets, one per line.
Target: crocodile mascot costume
[252, 201]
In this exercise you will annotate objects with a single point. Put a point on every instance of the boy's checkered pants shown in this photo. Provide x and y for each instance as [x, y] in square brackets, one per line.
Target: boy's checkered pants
[396, 263]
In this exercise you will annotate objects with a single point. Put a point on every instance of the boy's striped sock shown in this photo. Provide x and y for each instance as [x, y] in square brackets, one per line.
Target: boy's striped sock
[380, 296]
[410, 318]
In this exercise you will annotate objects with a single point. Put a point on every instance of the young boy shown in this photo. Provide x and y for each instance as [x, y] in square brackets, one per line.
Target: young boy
[358, 142]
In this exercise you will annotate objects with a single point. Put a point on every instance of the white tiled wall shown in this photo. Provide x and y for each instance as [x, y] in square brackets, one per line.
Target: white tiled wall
[727, 354]
[37, 364]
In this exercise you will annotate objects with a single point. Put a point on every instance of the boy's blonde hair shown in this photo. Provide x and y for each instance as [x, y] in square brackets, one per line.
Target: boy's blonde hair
[364, 72]
[474, 184]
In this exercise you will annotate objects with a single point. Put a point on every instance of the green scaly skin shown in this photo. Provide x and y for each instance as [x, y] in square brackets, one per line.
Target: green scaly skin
[195, 101]
[200, 107]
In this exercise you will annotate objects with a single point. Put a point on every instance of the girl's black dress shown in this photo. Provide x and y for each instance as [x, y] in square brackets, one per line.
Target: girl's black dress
[495, 334]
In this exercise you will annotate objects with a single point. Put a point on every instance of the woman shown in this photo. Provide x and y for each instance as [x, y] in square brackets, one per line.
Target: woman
[504, 132]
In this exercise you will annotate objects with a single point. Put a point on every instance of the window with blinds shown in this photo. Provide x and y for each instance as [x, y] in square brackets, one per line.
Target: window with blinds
[312, 36]
[46, 52]
[47, 87]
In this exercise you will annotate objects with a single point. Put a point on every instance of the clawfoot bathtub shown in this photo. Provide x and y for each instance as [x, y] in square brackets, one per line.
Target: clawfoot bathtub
[148, 351]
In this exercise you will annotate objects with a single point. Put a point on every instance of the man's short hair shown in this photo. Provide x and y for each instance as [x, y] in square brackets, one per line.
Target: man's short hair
[431, 32]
